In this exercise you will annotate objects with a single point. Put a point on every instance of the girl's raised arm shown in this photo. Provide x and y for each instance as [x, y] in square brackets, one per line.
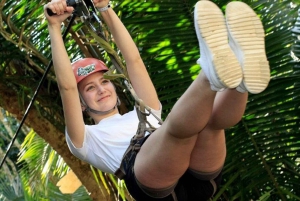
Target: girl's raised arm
[63, 71]
[137, 71]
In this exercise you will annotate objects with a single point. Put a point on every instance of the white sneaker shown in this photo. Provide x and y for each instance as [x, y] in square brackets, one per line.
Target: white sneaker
[217, 59]
[246, 38]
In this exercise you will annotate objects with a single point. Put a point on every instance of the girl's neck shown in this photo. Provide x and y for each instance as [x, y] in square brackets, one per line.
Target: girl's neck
[98, 118]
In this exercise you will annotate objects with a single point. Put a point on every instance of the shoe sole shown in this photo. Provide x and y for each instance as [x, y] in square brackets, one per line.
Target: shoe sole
[247, 33]
[211, 27]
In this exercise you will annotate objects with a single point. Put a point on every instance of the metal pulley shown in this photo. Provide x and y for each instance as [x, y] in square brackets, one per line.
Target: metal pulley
[83, 8]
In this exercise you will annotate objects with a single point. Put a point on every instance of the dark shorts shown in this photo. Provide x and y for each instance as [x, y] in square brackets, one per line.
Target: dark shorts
[188, 188]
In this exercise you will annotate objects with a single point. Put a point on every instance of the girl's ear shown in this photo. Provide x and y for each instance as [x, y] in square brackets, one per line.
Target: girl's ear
[82, 107]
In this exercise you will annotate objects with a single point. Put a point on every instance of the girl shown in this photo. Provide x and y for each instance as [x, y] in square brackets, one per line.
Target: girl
[182, 160]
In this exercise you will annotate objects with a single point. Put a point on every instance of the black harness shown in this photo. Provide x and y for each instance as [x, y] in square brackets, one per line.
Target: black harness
[139, 138]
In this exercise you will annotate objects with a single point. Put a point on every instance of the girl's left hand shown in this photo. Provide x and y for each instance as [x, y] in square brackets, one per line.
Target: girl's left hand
[100, 3]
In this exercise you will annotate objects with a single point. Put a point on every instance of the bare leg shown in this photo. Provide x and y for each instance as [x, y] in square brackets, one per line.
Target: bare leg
[209, 152]
[165, 156]
[210, 149]
[197, 121]
[228, 109]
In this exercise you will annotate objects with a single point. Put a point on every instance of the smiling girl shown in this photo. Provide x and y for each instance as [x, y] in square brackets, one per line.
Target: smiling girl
[183, 159]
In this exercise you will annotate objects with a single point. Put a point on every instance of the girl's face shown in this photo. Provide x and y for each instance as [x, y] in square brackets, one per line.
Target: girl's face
[98, 93]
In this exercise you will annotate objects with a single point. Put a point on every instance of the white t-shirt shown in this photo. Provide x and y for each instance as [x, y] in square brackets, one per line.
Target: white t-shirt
[105, 143]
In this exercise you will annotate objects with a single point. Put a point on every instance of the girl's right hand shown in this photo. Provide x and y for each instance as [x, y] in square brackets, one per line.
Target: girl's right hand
[61, 10]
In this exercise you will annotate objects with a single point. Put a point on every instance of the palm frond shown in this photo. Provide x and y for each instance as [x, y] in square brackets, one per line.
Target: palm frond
[263, 149]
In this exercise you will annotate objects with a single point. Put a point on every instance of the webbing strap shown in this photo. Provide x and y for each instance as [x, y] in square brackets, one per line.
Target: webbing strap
[144, 126]
[174, 196]
[140, 134]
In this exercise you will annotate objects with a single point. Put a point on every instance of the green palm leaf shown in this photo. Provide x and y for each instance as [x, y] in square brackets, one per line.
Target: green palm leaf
[263, 149]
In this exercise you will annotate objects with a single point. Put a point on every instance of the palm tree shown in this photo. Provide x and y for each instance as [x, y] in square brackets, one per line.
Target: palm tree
[263, 149]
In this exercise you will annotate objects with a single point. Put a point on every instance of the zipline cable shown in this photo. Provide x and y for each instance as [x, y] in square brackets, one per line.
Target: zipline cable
[35, 94]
